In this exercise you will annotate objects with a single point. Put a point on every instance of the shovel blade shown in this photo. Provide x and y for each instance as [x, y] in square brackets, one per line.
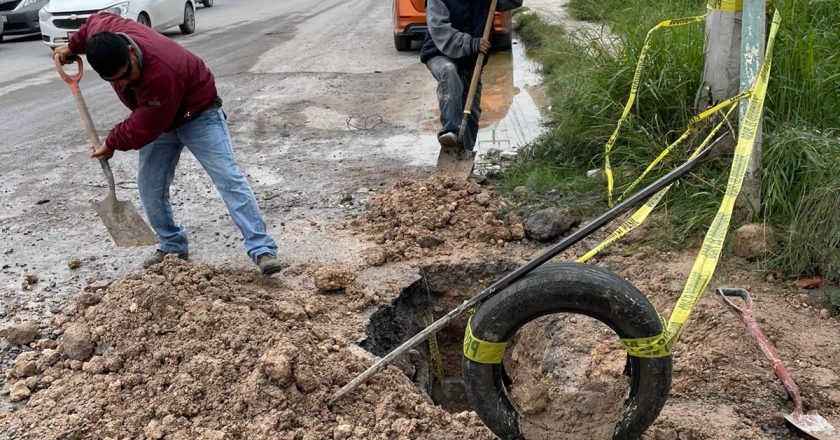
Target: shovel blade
[124, 223]
[813, 425]
[455, 162]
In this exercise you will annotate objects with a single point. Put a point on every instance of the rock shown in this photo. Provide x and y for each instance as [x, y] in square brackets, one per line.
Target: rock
[429, 241]
[483, 199]
[548, 224]
[825, 314]
[76, 343]
[597, 174]
[87, 299]
[24, 366]
[342, 431]
[277, 366]
[20, 333]
[19, 391]
[30, 277]
[331, 278]
[48, 358]
[346, 196]
[375, 257]
[74, 263]
[75, 365]
[96, 365]
[474, 188]
[752, 240]
[521, 190]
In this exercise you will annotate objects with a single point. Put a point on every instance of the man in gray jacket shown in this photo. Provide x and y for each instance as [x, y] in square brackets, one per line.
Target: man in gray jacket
[452, 45]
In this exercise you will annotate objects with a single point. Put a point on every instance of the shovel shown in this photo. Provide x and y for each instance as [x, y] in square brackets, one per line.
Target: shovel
[811, 424]
[457, 161]
[121, 218]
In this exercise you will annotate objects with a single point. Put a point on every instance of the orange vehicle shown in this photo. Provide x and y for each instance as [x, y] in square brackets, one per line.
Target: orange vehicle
[410, 25]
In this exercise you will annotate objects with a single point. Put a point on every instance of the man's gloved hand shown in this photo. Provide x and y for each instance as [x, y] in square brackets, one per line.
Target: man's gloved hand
[64, 55]
[484, 46]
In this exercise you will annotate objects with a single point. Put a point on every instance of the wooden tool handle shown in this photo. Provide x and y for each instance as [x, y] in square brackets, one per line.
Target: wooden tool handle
[476, 76]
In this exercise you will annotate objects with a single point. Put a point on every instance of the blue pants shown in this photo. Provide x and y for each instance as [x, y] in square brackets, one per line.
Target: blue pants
[452, 95]
[208, 139]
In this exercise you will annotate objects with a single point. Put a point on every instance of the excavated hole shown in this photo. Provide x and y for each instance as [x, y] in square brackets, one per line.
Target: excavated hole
[441, 288]
[566, 372]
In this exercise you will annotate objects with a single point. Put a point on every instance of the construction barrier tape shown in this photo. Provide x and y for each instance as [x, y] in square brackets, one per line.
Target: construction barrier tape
[725, 5]
[692, 127]
[707, 258]
[634, 89]
[483, 352]
[434, 351]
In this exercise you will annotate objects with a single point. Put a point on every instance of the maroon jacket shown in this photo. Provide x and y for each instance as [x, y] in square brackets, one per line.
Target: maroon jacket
[173, 82]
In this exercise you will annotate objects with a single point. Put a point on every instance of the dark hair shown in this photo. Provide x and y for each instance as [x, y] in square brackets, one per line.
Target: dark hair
[107, 53]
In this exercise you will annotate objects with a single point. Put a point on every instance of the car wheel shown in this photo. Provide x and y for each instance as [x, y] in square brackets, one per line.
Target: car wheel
[207, 3]
[188, 26]
[402, 43]
[144, 20]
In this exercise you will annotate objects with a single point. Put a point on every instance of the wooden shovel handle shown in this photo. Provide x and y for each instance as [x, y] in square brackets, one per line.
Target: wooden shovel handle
[476, 76]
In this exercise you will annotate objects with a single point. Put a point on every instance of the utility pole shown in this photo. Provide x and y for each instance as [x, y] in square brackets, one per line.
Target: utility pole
[752, 55]
[722, 53]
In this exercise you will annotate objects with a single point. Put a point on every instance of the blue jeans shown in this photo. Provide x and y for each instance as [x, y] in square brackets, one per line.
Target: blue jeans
[208, 139]
[452, 90]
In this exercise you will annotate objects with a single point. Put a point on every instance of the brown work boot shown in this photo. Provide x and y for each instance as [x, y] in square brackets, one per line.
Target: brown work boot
[158, 257]
[268, 264]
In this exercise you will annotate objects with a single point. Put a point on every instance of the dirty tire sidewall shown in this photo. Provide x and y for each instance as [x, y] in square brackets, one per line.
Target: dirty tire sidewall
[568, 288]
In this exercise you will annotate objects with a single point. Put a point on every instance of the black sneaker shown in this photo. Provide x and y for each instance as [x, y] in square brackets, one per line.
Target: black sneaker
[158, 257]
[268, 264]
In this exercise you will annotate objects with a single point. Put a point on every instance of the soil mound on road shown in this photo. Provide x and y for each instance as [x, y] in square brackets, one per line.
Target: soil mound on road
[437, 217]
[189, 351]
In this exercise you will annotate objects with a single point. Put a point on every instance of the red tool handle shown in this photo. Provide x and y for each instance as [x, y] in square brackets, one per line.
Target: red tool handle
[71, 80]
[746, 316]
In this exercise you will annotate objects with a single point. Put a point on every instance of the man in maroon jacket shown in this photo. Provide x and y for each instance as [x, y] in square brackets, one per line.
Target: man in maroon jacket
[173, 102]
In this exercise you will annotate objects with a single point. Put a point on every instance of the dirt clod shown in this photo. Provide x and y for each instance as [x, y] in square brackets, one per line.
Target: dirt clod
[332, 278]
[752, 240]
[22, 333]
[76, 343]
[74, 263]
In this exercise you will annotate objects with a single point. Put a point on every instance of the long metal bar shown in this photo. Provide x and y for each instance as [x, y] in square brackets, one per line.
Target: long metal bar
[523, 270]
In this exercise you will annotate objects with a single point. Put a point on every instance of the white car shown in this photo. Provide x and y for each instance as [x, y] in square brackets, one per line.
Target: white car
[60, 18]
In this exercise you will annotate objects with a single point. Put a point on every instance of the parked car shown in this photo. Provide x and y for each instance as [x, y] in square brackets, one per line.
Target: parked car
[207, 3]
[60, 18]
[410, 25]
[2, 24]
[21, 16]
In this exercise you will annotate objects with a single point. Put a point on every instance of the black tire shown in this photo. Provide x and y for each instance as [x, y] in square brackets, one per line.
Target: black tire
[402, 42]
[568, 288]
[501, 41]
[188, 26]
[144, 19]
[207, 3]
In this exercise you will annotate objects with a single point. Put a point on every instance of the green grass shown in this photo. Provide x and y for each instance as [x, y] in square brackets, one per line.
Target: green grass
[589, 82]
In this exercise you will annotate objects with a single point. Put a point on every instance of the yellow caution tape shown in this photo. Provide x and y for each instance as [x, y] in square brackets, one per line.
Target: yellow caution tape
[634, 89]
[692, 127]
[726, 5]
[642, 213]
[434, 351]
[707, 259]
[483, 352]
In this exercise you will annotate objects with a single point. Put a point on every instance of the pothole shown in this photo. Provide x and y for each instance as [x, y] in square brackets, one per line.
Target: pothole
[566, 373]
[441, 288]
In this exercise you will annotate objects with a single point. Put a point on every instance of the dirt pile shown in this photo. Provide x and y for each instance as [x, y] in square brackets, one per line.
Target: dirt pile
[187, 351]
[435, 217]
